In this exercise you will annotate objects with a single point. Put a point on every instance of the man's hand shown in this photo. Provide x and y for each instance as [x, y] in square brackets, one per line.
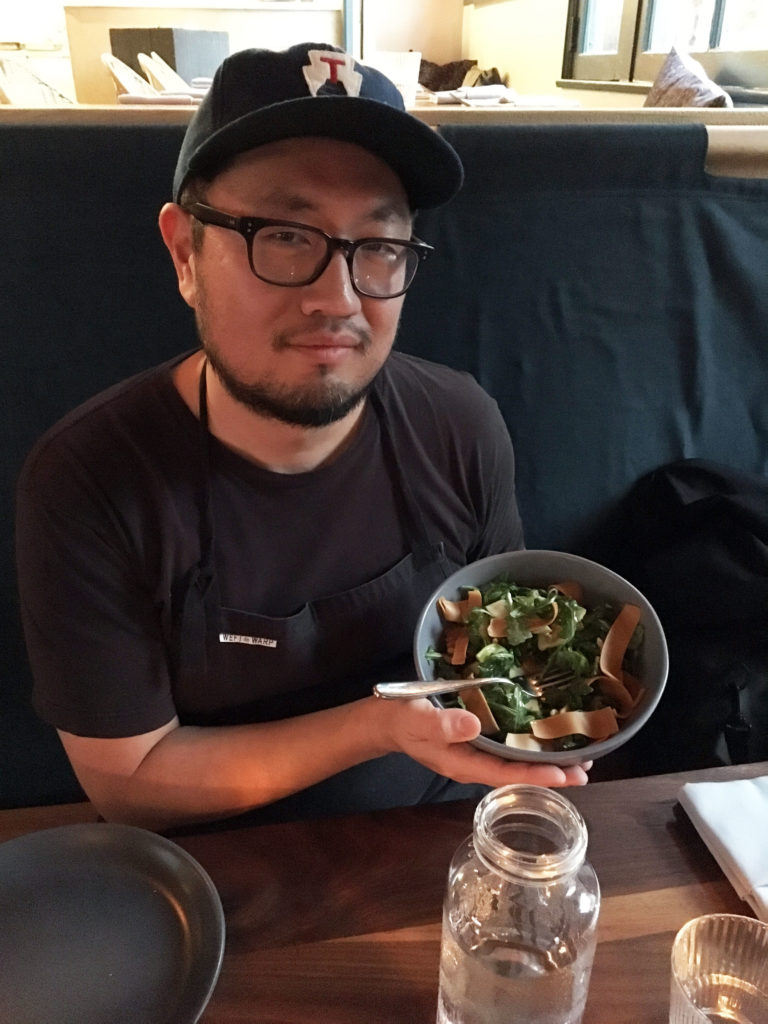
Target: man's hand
[437, 738]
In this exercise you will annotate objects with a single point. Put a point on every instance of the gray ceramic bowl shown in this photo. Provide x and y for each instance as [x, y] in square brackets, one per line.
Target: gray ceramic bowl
[541, 568]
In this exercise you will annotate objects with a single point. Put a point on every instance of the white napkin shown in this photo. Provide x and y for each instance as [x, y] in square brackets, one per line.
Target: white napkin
[732, 819]
[495, 95]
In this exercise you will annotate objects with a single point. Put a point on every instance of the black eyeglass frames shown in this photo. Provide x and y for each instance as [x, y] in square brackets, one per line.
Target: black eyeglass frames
[290, 254]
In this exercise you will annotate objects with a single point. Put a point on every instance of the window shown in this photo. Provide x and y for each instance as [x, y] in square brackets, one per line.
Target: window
[627, 40]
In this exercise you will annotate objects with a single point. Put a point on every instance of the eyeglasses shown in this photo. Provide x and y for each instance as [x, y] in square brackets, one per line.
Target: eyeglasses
[285, 253]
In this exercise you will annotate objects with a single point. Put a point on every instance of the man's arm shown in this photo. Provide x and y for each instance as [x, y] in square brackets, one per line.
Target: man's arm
[182, 774]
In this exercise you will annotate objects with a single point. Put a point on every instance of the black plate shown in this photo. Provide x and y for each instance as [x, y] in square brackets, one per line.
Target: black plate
[105, 924]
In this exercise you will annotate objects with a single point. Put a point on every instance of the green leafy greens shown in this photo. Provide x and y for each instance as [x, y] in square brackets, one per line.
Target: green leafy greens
[513, 631]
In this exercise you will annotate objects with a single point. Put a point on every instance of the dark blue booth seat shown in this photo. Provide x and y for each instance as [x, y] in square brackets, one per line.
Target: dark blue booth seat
[610, 294]
[613, 297]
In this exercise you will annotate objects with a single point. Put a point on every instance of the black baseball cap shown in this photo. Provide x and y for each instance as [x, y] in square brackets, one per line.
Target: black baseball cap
[315, 89]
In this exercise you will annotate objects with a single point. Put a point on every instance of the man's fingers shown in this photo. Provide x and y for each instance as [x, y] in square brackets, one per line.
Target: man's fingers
[458, 726]
[438, 738]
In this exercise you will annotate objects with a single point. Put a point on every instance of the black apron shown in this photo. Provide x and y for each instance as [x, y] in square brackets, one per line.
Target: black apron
[234, 665]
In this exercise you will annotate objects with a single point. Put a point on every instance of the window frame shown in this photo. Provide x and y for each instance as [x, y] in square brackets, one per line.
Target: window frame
[634, 63]
[607, 67]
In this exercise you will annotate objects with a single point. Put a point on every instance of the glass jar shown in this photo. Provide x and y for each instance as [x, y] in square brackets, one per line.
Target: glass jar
[520, 914]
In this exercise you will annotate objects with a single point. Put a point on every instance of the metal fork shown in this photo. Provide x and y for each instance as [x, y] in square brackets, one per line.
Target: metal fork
[534, 686]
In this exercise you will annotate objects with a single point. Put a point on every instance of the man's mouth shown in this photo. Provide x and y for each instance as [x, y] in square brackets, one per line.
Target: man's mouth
[323, 343]
[325, 354]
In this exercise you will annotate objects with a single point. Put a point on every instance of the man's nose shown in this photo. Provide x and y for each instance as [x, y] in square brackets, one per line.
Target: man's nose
[332, 293]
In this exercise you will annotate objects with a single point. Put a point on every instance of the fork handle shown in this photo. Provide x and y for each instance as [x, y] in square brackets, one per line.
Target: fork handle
[419, 688]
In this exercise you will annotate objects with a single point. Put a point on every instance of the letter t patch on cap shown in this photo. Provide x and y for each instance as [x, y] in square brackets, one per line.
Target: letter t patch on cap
[332, 72]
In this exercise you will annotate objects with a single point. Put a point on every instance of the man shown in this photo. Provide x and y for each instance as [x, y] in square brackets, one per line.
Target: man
[218, 558]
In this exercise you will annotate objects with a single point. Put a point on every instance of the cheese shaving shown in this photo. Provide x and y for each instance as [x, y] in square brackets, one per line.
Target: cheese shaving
[597, 725]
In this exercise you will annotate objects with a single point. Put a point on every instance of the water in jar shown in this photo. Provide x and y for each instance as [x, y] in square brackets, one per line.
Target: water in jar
[492, 983]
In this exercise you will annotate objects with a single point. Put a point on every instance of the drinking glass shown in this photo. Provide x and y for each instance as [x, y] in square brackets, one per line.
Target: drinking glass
[720, 971]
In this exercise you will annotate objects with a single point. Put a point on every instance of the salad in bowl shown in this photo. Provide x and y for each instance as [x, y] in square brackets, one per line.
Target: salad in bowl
[577, 655]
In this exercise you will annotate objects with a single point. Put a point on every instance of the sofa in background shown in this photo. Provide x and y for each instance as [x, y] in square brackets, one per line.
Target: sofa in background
[598, 282]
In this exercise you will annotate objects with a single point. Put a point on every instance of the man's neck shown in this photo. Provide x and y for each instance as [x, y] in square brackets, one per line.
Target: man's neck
[276, 446]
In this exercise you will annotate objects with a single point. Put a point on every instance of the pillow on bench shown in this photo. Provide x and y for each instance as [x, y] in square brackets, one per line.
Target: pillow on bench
[683, 82]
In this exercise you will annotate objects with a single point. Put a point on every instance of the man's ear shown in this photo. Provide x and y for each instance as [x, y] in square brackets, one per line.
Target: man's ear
[176, 229]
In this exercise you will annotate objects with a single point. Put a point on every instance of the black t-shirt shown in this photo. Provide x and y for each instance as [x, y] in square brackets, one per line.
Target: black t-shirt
[109, 522]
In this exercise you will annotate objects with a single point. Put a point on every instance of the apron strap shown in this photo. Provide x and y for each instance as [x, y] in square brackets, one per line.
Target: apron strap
[423, 548]
[196, 595]
[204, 494]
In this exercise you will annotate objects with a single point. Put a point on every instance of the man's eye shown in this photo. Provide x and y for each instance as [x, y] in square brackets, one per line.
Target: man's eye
[383, 250]
[285, 236]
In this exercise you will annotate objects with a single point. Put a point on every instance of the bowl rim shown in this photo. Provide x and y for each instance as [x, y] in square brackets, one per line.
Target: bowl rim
[559, 757]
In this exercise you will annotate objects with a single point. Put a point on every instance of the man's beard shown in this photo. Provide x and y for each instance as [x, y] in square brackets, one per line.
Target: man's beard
[317, 404]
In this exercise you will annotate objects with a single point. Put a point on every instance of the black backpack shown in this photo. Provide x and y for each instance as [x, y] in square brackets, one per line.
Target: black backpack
[695, 542]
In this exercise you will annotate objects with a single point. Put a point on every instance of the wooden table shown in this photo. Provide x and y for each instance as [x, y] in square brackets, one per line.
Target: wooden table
[337, 921]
